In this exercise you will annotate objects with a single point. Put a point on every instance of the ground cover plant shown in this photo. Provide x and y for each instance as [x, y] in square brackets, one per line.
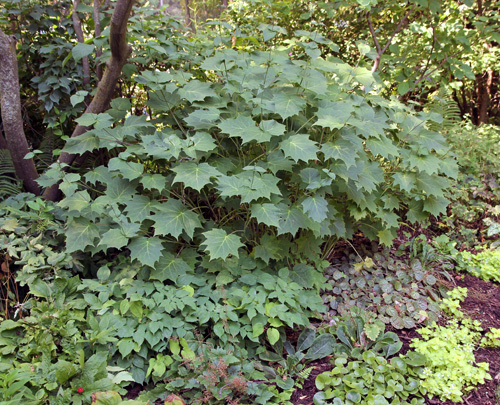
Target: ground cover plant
[199, 229]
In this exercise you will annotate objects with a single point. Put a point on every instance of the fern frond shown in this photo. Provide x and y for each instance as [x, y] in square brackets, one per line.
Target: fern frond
[9, 183]
[443, 104]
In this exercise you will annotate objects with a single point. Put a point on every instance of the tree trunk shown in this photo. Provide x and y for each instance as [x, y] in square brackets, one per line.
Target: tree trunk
[120, 51]
[10, 102]
[77, 24]
[189, 22]
[483, 98]
[97, 33]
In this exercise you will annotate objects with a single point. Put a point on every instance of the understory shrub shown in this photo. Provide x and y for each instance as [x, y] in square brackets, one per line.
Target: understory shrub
[485, 264]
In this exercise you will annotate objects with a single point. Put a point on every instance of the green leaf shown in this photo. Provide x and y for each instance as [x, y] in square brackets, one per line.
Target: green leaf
[300, 147]
[203, 119]
[341, 150]
[220, 245]
[129, 170]
[316, 207]
[302, 274]
[286, 103]
[292, 219]
[80, 234]
[197, 91]
[139, 207]
[273, 335]
[405, 181]
[64, 371]
[81, 50]
[321, 347]
[306, 339]
[170, 268]
[333, 115]
[403, 88]
[77, 202]
[146, 249]
[245, 128]
[174, 218]
[435, 205]
[120, 190]
[386, 236]
[268, 214]
[86, 142]
[153, 182]
[195, 175]
[125, 347]
[114, 238]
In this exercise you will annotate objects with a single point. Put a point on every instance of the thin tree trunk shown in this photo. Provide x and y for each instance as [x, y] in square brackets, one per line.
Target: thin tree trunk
[97, 33]
[189, 22]
[77, 24]
[10, 102]
[120, 51]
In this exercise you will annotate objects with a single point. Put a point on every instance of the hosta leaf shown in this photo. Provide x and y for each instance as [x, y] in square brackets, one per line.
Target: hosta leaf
[316, 207]
[341, 150]
[333, 115]
[245, 128]
[174, 218]
[195, 175]
[146, 249]
[196, 91]
[80, 234]
[321, 347]
[268, 214]
[170, 268]
[114, 238]
[220, 245]
[305, 340]
[129, 170]
[300, 147]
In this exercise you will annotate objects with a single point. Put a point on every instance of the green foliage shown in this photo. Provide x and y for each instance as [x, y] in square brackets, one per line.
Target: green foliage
[485, 264]
[451, 304]
[491, 338]
[451, 371]
[49, 346]
[363, 374]
[9, 184]
[394, 291]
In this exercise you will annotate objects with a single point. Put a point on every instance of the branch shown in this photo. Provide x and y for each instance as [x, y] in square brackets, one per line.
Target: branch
[12, 120]
[372, 31]
[436, 68]
[380, 51]
[77, 24]
[120, 51]
[97, 33]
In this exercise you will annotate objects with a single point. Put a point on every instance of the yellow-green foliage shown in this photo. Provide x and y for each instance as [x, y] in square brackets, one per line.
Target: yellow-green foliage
[449, 349]
[451, 369]
[485, 265]
[491, 339]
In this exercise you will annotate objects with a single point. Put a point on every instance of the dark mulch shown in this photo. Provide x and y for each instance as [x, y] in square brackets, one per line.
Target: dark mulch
[482, 303]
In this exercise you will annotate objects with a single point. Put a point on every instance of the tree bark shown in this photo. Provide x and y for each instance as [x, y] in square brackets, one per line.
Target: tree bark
[120, 51]
[189, 22]
[97, 33]
[77, 24]
[10, 102]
